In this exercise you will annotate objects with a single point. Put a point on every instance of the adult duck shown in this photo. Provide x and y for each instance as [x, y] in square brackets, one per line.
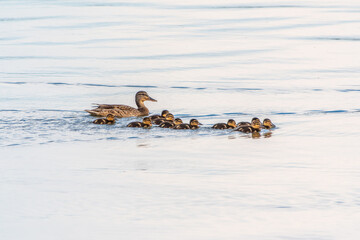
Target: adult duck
[121, 111]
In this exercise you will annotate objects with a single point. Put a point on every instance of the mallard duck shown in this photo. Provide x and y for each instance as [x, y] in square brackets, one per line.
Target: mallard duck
[254, 127]
[146, 123]
[168, 118]
[110, 119]
[229, 125]
[268, 124]
[124, 110]
[168, 124]
[162, 116]
[194, 124]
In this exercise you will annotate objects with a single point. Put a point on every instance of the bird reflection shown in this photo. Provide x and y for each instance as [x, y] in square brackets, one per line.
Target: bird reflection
[267, 134]
[255, 135]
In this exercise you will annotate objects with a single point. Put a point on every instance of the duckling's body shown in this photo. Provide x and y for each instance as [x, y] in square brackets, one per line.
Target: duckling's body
[124, 110]
[169, 124]
[267, 124]
[146, 123]
[255, 126]
[194, 124]
[248, 129]
[135, 124]
[110, 119]
[243, 124]
[168, 118]
[162, 116]
[182, 126]
[231, 124]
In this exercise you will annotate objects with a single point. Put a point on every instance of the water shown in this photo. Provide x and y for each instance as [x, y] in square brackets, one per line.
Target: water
[62, 177]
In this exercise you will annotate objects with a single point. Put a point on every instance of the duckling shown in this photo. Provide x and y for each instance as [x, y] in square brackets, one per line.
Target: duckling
[268, 124]
[194, 124]
[168, 118]
[110, 119]
[162, 116]
[229, 125]
[254, 127]
[124, 110]
[243, 124]
[146, 123]
[168, 124]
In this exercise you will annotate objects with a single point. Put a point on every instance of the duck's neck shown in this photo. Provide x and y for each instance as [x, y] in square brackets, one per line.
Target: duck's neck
[141, 107]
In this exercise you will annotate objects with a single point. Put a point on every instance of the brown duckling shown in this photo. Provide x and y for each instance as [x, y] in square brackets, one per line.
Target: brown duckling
[168, 124]
[243, 124]
[254, 127]
[229, 125]
[267, 124]
[194, 124]
[162, 116]
[169, 118]
[146, 123]
[110, 119]
[124, 110]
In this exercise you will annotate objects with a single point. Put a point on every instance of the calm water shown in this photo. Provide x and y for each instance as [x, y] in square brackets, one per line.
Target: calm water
[62, 177]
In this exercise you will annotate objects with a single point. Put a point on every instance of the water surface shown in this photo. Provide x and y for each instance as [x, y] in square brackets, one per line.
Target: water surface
[62, 177]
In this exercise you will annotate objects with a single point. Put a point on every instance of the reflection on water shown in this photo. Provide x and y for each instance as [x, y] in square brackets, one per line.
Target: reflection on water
[295, 63]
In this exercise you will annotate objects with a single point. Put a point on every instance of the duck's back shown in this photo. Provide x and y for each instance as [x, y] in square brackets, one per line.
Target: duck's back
[182, 126]
[117, 110]
[220, 126]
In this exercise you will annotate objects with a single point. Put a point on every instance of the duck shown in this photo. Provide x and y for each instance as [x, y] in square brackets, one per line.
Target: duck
[168, 118]
[156, 116]
[231, 124]
[194, 124]
[243, 124]
[267, 124]
[121, 111]
[146, 123]
[168, 124]
[110, 119]
[254, 127]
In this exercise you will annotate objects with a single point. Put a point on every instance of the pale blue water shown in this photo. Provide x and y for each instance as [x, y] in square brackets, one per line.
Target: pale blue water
[62, 177]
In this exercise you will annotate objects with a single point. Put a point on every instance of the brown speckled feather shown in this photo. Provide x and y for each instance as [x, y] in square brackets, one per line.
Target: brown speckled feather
[120, 111]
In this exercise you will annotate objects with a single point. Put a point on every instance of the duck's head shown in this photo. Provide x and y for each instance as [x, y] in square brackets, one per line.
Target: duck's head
[178, 121]
[232, 123]
[255, 123]
[164, 112]
[147, 121]
[110, 117]
[267, 123]
[142, 96]
[169, 117]
[194, 122]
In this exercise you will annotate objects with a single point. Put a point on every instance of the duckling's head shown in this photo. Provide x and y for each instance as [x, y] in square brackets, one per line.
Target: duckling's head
[163, 113]
[147, 121]
[267, 123]
[194, 122]
[232, 123]
[142, 96]
[255, 123]
[110, 117]
[178, 121]
[169, 117]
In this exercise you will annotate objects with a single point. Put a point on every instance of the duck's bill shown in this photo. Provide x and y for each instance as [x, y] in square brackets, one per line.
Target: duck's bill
[151, 99]
[200, 123]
